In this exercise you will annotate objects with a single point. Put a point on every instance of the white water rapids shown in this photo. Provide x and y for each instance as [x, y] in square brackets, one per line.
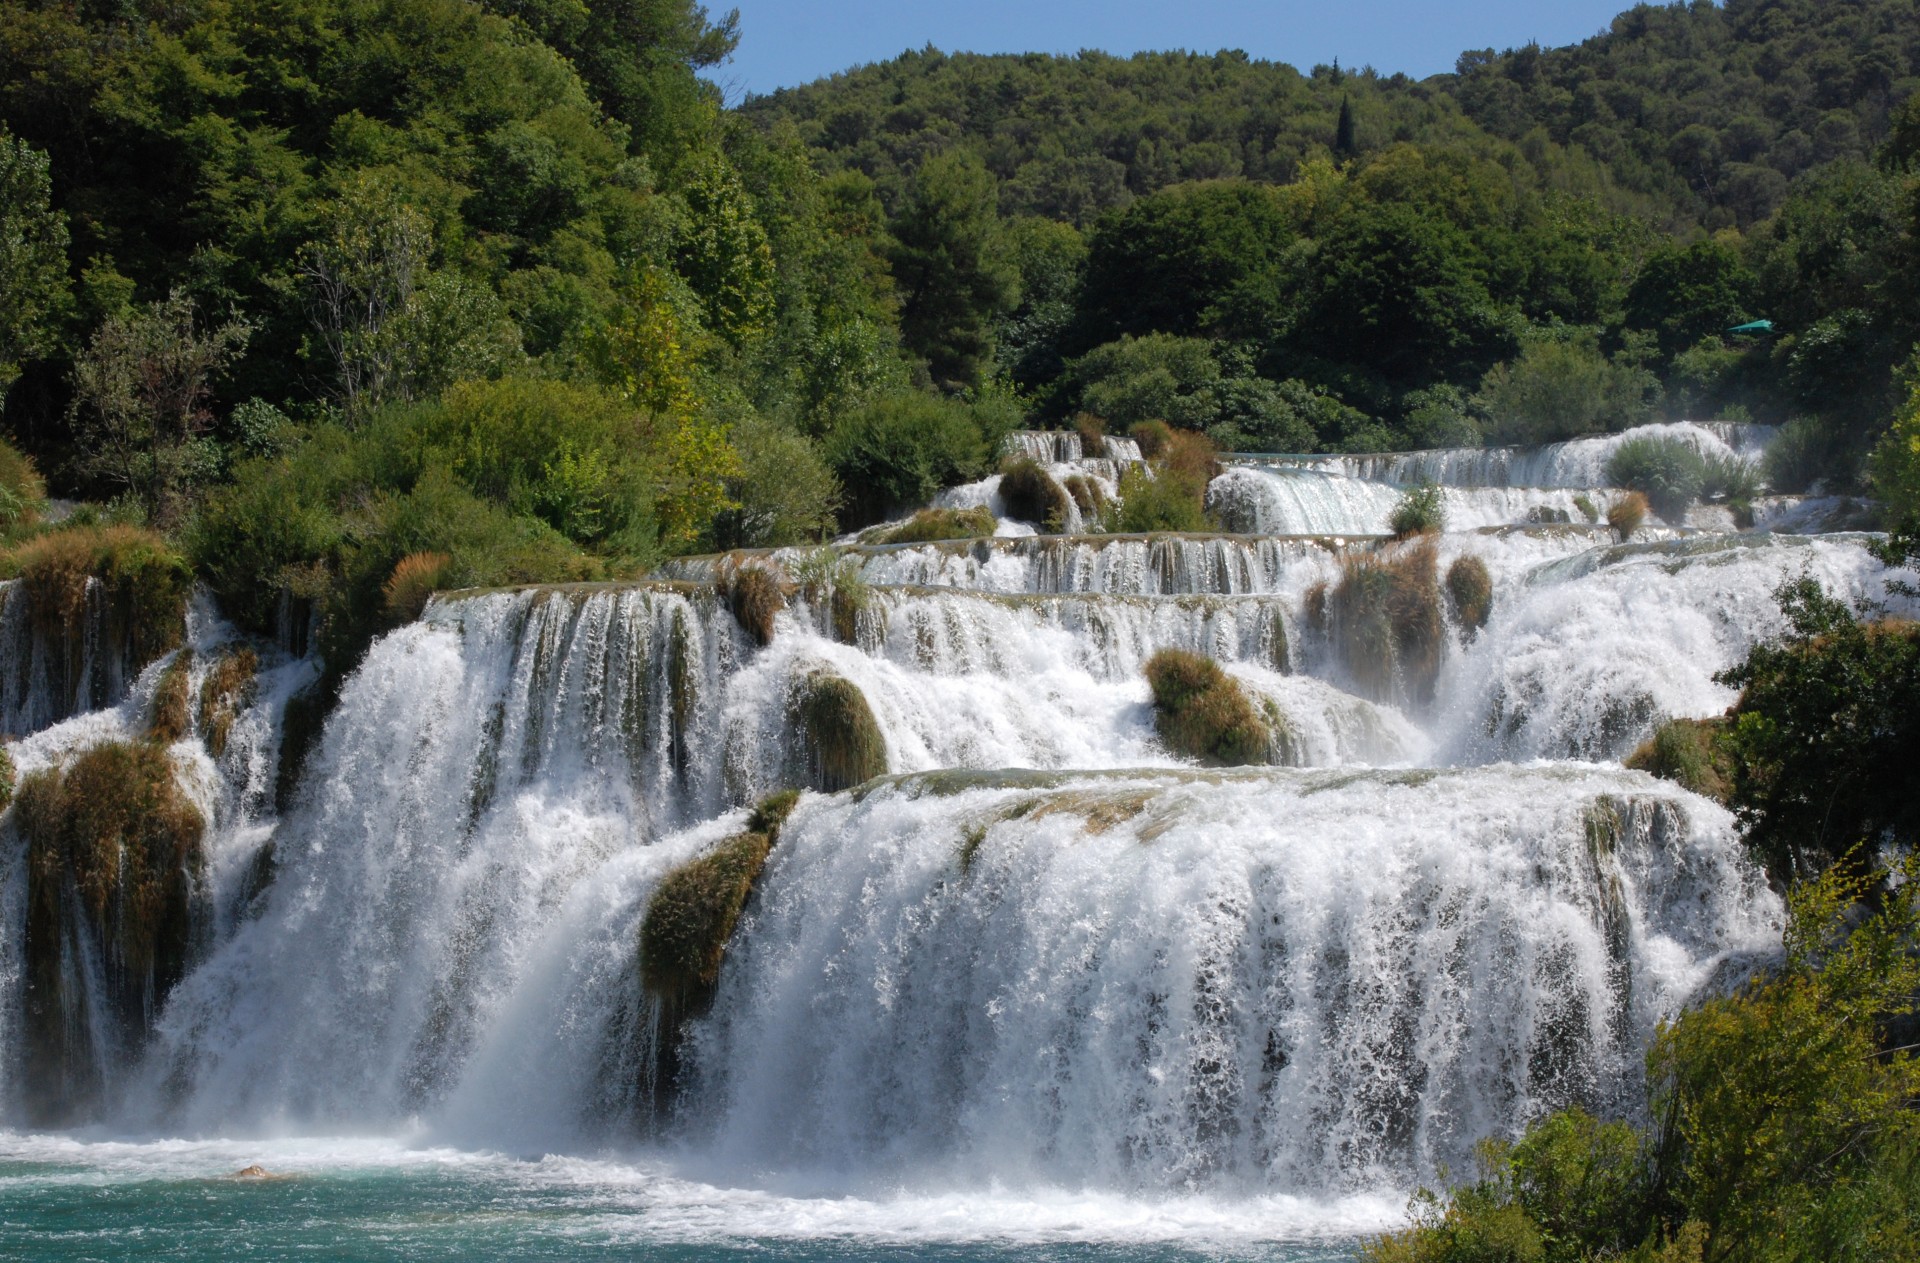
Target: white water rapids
[1045, 952]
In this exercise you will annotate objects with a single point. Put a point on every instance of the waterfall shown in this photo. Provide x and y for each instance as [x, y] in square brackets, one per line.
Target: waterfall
[1036, 948]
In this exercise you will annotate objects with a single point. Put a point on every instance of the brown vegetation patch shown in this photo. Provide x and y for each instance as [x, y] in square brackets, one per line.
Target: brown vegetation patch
[1202, 712]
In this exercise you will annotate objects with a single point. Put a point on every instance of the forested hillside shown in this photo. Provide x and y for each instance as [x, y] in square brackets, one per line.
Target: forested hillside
[502, 292]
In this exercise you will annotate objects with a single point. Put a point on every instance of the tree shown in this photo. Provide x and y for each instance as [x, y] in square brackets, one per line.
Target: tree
[140, 400]
[33, 258]
[1346, 145]
[1685, 293]
[953, 267]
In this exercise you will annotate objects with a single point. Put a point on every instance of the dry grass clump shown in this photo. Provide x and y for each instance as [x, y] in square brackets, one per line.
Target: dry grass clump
[1470, 593]
[756, 595]
[111, 838]
[224, 694]
[1626, 514]
[844, 742]
[1152, 436]
[1031, 494]
[1093, 434]
[1202, 712]
[935, 524]
[1692, 754]
[1384, 622]
[167, 722]
[414, 580]
[146, 584]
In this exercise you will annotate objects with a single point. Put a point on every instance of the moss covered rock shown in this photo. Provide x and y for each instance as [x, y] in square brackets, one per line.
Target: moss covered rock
[929, 525]
[1691, 753]
[756, 595]
[114, 879]
[1202, 712]
[224, 693]
[1031, 494]
[845, 746]
[169, 716]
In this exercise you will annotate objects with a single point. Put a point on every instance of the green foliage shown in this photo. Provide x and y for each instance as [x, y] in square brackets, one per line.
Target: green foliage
[1798, 458]
[1785, 1127]
[692, 914]
[1421, 510]
[1686, 293]
[933, 524]
[845, 746]
[145, 579]
[1558, 390]
[140, 401]
[8, 776]
[783, 492]
[33, 258]
[1470, 593]
[1691, 753]
[1157, 501]
[1670, 473]
[22, 493]
[1202, 712]
[1158, 377]
[1826, 735]
[954, 268]
[893, 454]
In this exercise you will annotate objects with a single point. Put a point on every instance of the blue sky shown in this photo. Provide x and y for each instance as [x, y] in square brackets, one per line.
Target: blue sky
[792, 41]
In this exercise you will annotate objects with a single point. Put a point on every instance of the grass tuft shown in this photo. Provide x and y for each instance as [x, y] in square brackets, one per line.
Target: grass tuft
[413, 582]
[1627, 514]
[1470, 593]
[1384, 622]
[929, 525]
[224, 693]
[167, 722]
[1031, 494]
[756, 595]
[844, 742]
[1202, 712]
[1692, 754]
[145, 584]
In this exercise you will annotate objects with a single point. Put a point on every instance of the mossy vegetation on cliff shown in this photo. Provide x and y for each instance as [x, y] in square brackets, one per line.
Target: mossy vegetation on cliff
[756, 595]
[224, 692]
[929, 525]
[1202, 712]
[1691, 753]
[114, 865]
[1470, 593]
[1031, 494]
[145, 584]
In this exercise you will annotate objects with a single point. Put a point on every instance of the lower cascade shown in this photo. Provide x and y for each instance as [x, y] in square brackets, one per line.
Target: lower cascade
[1010, 932]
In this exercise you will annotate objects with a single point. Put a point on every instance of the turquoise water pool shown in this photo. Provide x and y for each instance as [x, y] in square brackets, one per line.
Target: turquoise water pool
[68, 1198]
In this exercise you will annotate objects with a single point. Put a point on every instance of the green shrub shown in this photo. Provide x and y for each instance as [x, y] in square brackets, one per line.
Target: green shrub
[1093, 433]
[1798, 457]
[1383, 620]
[1155, 377]
[1562, 390]
[783, 494]
[1420, 511]
[1148, 503]
[1031, 494]
[893, 454]
[933, 524]
[1153, 436]
[1470, 593]
[1691, 753]
[1670, 473]
[1627, 513]
[1202, 712]
[845, 746]
[756, 595]
[691, 916]
[21, 490]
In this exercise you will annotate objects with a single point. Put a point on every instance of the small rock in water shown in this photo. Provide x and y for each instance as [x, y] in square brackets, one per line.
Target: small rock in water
[255, 1172]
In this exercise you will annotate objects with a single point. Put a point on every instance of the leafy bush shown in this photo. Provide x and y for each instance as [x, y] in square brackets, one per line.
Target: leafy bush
[1031, 494]
[1669, 472]
[1561, 390]
[1691, 753]
[932, 524]
[1148, 503]
[783, 492]
[896, 452]
[1157, 377]
[1202, 712]
[1798, 457]
[1152, 436]
[1826, 735]
[1420, 511]
[21, 490]
[1627, 513]
[1470, 593]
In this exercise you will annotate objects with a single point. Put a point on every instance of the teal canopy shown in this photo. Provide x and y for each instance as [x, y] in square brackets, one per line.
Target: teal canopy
[1753, 326]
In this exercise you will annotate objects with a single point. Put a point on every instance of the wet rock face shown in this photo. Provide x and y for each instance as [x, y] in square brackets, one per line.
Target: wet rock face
[114, 878]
